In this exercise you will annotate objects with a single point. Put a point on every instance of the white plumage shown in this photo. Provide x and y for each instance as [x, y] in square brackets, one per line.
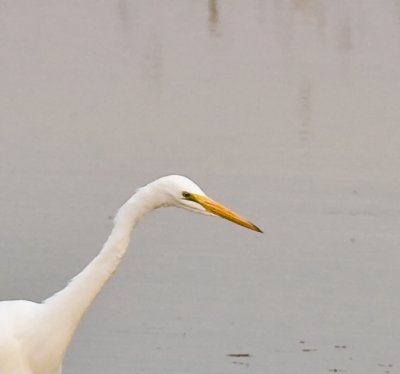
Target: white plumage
[35, 336]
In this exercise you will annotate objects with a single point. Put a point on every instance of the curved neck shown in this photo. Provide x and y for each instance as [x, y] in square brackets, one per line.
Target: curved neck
[66, 308]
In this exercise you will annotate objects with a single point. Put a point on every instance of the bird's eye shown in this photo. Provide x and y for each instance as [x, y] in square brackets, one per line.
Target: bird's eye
[185, 194]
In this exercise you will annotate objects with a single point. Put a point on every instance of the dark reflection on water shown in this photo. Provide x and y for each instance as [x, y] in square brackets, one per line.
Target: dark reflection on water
[299, 15]
[213, 16]
[153, 59]
[345, 34]
[305, 112]
[124, 14]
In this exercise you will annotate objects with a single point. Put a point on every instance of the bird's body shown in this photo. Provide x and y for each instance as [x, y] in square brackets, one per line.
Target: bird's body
[35, 336]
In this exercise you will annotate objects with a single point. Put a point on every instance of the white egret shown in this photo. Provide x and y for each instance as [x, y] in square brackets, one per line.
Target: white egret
[35, 336]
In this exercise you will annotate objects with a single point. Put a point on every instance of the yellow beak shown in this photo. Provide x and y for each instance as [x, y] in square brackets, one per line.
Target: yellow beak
[223, 212]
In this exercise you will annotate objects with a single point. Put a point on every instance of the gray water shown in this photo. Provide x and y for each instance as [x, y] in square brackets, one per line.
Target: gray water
[286, 111]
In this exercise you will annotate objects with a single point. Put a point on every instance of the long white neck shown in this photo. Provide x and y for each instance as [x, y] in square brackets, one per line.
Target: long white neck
[65, 309]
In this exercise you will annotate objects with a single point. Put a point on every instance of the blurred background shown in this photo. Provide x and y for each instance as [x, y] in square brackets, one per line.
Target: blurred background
[286, 111]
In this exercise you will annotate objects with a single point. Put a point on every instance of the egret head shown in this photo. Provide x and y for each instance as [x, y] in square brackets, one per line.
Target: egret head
[184, 193]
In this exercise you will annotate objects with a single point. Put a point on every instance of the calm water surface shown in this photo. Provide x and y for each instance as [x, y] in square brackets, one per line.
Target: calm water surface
[287, 111]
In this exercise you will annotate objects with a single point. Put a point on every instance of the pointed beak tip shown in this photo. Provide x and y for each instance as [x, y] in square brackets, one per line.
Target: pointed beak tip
[258, 229]
[217, 209]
